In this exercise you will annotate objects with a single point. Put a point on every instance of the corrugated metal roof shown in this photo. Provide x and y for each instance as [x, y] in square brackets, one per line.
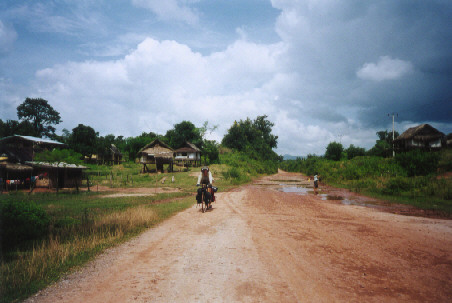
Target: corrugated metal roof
[34, 139]
[55, 165]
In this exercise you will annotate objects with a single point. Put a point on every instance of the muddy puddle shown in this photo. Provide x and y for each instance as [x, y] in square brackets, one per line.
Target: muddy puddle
[302, 185]
[296, 189]
[303, 190]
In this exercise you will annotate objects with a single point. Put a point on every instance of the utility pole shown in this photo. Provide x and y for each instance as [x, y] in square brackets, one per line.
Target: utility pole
[393, 151]
[340, 138]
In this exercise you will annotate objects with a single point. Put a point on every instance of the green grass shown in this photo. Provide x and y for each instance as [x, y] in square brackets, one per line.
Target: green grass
[81, 227]
[84, 224]
[385, 178]
[434, 195]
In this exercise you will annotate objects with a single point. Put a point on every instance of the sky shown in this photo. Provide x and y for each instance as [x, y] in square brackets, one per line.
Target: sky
[321, 70]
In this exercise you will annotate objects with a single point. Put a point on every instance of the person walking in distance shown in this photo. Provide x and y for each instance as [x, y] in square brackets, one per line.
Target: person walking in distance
[316, 183]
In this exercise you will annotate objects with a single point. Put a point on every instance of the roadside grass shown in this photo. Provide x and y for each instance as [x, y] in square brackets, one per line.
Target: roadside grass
[435, 194]
[386, 179]
[82, 226]
[128, 175]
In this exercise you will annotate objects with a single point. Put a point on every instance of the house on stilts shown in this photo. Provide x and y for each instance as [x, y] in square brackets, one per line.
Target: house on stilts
[154, 155]
[188, 155]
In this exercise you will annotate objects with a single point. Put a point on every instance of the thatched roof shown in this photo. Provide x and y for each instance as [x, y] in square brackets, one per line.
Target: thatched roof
[158, 149]
[188, 147]
[423, 132]
[115, 150]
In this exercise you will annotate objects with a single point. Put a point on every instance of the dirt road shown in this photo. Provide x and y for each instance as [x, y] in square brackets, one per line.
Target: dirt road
[263, 245]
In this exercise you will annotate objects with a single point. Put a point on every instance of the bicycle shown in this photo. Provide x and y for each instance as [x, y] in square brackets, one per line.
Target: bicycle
[206, 198]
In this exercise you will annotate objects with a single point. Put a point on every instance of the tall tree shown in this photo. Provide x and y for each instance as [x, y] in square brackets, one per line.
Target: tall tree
[40, 114]
[103, 145]
[355, 151]
[83, 140]
[253, 137]
[334, 151]
[383, 146]
[184, 131]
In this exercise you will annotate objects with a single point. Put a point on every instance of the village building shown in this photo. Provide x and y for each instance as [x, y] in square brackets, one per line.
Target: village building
[18, 170]
[449, 140]
[188, 154]
[57, 175]
[19, 149]
[15, 176]
[154, 155]
[423, 137]
[32, 174]
[113, 156]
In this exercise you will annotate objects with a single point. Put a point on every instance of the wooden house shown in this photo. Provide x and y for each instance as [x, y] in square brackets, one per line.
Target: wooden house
[112, 156]
[115, 155]
[423, 137]
[156, 154]
[188, 154]
[57, 175]
[33, 174]
[19, 171]
[449, 140]
[21, 175]
[19, 149]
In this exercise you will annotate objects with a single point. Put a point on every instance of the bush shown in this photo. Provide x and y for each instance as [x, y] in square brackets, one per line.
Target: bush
[395, 186]
[22, 222]
[418, 163]
[236, 176]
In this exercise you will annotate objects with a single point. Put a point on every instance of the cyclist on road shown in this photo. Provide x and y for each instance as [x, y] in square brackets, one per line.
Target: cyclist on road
[205, 177]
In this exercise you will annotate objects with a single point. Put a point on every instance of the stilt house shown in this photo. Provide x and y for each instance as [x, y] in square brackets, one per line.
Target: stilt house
[188, 154]
[155, 154]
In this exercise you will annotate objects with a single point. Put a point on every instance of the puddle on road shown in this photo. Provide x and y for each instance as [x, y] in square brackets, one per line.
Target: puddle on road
[295, 189]
[347, 201]
[287, 181]
[330, 197]
[301, 190]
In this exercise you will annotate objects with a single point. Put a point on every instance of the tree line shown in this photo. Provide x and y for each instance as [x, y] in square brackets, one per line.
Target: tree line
[36, 117]
[383, 148]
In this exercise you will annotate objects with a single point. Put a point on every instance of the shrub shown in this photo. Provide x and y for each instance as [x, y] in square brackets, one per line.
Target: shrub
[395, 186]
[235, 175]
[360, 185]
[418, 163]
[22, 222]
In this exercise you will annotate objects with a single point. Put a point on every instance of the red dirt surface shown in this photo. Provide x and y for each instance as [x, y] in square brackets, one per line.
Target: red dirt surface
[261, 245]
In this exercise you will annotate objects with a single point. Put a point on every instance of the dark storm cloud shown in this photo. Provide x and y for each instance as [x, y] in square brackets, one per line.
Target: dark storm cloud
[379, 57]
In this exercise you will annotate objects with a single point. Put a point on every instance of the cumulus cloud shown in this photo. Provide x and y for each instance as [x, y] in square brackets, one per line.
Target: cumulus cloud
[170, 10]
[385, 69]
[7, 38]
[309, 81]
[161, 83]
